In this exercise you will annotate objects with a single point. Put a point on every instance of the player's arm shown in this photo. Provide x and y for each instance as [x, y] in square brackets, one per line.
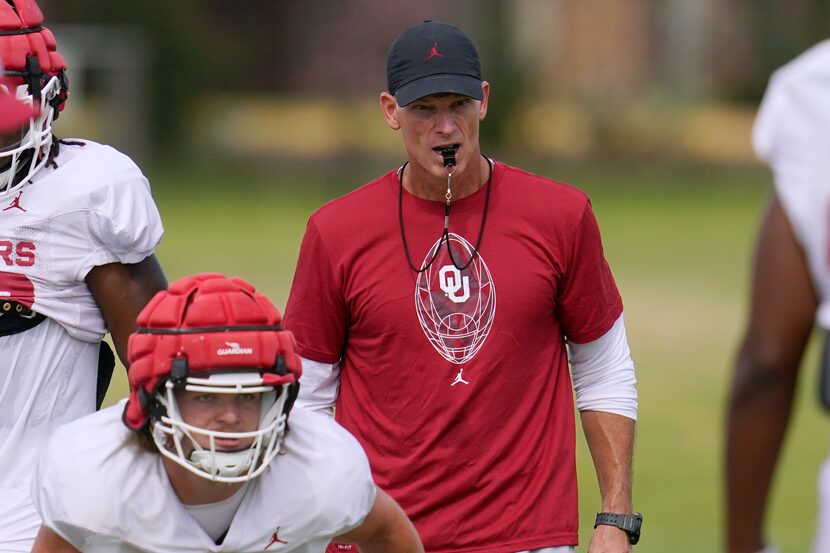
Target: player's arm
[386, 529]
[121, 291]
[48, 541]
[783, 306]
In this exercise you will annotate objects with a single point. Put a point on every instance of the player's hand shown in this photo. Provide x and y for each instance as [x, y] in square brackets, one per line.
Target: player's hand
[609, 539]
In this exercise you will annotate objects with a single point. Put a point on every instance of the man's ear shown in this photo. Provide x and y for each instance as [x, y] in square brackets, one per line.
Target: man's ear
[389, 108]
[485, 99]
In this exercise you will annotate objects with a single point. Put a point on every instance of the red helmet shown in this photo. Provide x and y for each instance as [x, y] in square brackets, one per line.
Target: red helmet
[35, 74]
[213, 334]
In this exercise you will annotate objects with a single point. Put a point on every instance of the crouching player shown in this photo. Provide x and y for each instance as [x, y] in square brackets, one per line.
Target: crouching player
[203, 457]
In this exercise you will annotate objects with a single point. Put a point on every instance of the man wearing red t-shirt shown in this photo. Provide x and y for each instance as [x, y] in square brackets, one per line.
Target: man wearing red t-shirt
[438, 306]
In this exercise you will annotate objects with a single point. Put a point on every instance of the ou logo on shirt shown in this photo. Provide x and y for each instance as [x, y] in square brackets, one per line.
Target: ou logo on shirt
[451, 281]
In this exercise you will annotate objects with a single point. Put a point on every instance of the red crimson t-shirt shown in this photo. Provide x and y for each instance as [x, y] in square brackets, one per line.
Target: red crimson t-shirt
[456, 382]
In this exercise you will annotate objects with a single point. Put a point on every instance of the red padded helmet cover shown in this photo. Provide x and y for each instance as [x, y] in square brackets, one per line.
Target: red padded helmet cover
[218, 324]
[32, 40]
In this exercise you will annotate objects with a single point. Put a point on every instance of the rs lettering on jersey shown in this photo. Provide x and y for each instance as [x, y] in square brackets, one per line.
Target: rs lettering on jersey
[20, 254]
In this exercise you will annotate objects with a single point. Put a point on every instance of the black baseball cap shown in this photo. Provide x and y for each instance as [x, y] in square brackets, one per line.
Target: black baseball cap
[432, 58]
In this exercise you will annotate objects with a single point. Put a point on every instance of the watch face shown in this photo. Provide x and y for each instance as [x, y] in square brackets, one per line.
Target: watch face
[634, 534]
[638, 521]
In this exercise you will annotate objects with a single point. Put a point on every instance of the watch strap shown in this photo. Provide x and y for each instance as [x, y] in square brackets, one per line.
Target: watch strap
[630, 523]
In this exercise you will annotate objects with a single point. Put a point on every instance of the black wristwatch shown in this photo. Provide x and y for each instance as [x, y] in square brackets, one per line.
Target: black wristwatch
[631, 524]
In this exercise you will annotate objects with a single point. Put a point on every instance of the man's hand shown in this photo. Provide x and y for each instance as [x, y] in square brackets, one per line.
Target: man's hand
[609, 539]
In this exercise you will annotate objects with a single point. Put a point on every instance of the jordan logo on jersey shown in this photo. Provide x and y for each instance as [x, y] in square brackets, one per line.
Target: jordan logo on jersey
[459, 378]
[455, 307]
[275, 538]
[16, 203]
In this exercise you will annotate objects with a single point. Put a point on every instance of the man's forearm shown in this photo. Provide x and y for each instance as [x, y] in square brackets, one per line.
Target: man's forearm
[610, 439]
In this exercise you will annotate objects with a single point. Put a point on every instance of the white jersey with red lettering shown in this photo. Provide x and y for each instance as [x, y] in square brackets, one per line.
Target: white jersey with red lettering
[792, 134]
[97, 489]
[91, 208]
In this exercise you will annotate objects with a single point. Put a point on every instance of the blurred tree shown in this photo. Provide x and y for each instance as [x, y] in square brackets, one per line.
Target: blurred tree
[780, 29]
[189, 54]
[494, 34]
[606, 55]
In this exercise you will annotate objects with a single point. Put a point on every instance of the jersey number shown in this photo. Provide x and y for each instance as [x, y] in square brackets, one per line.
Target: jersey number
[17, 287]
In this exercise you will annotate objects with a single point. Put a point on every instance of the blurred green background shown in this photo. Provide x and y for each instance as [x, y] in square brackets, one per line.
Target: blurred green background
[246, 116]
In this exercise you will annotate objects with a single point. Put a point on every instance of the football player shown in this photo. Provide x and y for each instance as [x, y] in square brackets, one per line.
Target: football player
[78, 231]
[202, 456]
[790, 296]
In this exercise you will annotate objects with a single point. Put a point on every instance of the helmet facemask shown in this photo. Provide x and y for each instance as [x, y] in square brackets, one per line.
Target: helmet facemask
[20, 160]
[176, 439]
[34, 73]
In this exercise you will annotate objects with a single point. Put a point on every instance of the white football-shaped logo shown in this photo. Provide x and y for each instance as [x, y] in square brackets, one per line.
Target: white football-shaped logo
[455, 308]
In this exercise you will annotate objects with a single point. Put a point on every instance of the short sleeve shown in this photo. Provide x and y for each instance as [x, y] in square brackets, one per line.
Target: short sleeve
[782, 126]
[588, 301]
[333, 489]
[315, 311]
[124, 223]
[48, 491]
[351, 488]
[790, 134]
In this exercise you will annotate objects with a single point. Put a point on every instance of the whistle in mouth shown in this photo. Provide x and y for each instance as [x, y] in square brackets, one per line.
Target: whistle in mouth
[449, 156]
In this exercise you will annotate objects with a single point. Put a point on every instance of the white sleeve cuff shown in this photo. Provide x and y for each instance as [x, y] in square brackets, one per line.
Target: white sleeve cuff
[603, 373]
[319, 385]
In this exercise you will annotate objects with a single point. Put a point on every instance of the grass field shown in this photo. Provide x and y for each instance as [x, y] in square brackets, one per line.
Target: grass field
[678, 238]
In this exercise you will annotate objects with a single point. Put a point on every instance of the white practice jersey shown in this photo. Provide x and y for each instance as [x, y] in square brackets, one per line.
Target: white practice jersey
[792, 134]
[102, 493]
[94, 208]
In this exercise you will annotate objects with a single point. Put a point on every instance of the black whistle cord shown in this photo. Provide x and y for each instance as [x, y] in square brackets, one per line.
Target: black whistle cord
[445, 234]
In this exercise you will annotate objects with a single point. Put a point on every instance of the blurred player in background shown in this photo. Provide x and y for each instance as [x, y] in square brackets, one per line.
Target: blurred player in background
[790, 292]
[78, 230]
[203, 456]
[449, 347]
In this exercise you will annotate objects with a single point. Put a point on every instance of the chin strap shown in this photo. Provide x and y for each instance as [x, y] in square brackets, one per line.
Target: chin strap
[223, 463]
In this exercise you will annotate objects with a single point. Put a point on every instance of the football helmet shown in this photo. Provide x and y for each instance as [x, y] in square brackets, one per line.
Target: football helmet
[35, 74]
[211, 334]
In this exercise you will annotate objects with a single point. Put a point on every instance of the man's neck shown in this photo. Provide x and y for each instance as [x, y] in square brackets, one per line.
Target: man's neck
[422, 184]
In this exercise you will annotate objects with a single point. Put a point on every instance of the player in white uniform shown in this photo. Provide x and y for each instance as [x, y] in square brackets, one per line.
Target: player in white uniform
[206, 458]
[791, 292]
[78, 229]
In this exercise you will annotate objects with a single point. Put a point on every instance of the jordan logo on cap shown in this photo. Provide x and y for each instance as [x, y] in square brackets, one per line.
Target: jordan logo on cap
[434, 53]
